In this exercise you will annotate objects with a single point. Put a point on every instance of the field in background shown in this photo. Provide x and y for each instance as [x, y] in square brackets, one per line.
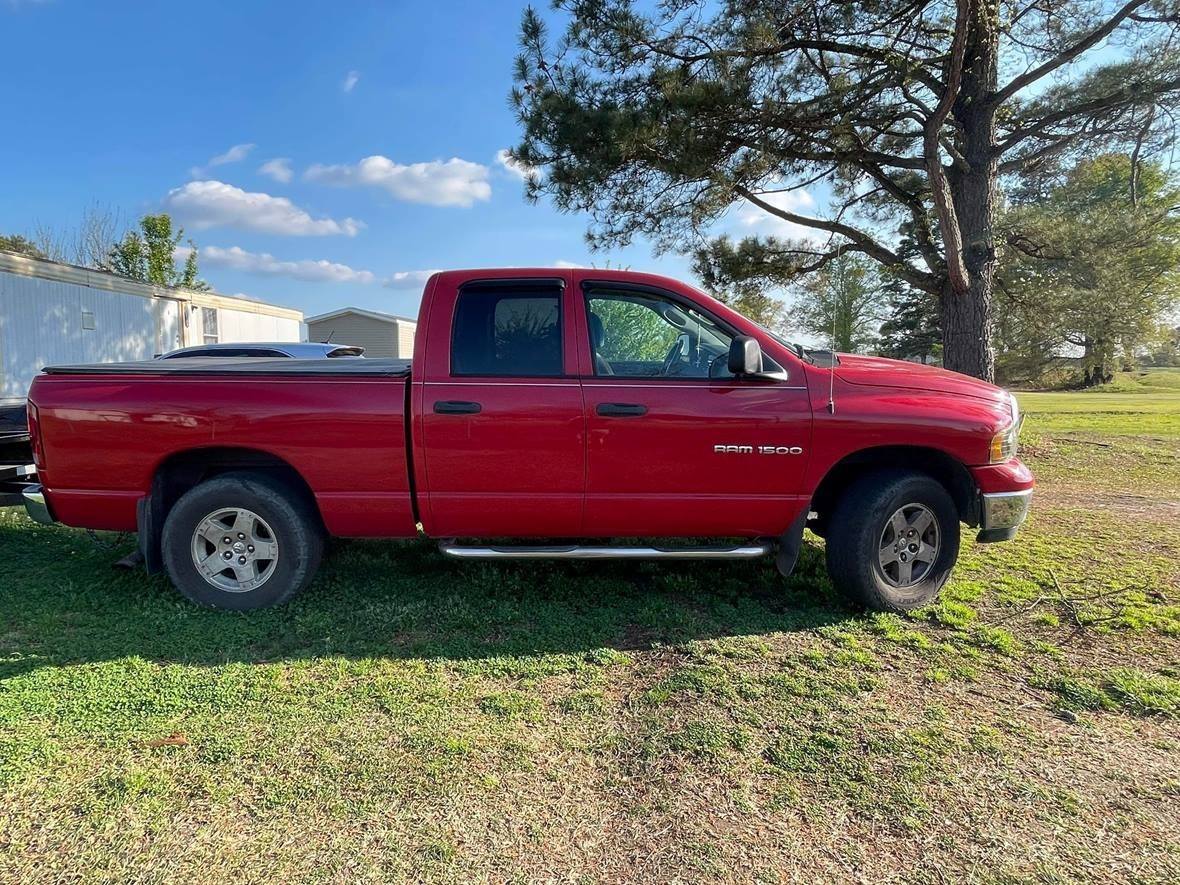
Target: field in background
[411, 718]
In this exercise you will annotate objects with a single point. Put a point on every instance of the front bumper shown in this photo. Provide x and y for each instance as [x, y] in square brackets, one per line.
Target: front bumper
[1001, 514]
[36, 507]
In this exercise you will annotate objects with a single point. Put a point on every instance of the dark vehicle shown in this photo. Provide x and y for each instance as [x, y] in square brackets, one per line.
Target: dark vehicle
[17, 473]
[299, 350]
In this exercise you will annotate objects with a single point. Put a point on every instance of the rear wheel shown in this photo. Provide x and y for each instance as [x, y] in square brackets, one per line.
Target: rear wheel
[893, 540]
[241, 541]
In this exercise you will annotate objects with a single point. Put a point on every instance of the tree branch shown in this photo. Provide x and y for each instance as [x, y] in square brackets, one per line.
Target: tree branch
[1029, 160]
[913, 202]
[948, 222]
[856, 50]
[1089, 41]
[859, 238]
[826, 258]
[1094, 106]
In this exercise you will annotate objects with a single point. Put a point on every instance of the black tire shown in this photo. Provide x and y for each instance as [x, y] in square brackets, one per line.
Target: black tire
[285, 514]
[859, 526]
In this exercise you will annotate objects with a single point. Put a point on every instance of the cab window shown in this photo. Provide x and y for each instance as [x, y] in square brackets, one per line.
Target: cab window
[639, 334]
[507, 333]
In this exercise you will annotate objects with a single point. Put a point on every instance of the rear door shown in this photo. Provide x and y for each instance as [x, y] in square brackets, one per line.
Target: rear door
[675, 444]
[500, 410]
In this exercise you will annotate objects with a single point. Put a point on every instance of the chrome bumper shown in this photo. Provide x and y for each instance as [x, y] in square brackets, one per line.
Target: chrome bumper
[1001, 514]
[35, 505]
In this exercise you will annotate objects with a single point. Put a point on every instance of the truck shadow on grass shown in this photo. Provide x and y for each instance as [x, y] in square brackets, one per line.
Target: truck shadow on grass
[62, 602]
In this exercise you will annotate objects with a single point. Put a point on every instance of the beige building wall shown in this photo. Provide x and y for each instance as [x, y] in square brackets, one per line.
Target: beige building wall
[405, 339]
[379, 338]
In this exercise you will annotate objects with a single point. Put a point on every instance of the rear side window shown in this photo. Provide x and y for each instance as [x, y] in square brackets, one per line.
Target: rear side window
[507, 332]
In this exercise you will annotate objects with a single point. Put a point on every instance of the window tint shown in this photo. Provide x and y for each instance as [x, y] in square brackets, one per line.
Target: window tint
[224, 351]
[640, 334]
[254, 351]
[499, 332]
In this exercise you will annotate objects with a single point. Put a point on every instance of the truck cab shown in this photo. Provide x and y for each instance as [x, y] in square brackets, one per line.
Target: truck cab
[601, 405]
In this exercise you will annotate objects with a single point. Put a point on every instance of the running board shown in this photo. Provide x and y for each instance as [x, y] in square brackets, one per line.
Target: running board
[745, 551]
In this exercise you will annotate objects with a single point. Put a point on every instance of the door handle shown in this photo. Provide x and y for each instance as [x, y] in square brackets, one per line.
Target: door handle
[621, 410]
[456, 407]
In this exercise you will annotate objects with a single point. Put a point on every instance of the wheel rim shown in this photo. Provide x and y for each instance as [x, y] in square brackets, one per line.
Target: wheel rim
[909, 547]
[235, 550]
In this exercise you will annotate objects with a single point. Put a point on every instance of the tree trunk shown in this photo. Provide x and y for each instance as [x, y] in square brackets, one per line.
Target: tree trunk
[967, 316]
[966, 330]
[1097, 358]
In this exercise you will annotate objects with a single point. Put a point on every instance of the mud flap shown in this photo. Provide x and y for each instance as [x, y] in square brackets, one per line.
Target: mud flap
[148, 526]
[789, 545]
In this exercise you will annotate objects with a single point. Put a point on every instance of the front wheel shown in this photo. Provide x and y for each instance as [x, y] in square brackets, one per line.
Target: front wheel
[241, 541]
[893, 540]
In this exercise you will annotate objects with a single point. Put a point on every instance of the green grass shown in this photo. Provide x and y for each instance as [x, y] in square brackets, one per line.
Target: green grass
[412, 718]
[1106, 443]
[1124, 688]
[1155, 414]
[1145, 380]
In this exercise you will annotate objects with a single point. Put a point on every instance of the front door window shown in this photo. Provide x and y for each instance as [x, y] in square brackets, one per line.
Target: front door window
[642, 335]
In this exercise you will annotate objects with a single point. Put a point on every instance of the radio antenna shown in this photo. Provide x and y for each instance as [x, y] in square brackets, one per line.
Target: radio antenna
[832, 353]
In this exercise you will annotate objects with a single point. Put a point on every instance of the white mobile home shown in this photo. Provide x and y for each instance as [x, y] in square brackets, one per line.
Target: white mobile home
[59, 313]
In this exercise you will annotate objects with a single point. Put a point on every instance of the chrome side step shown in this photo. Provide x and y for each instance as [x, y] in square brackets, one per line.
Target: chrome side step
[746, 551]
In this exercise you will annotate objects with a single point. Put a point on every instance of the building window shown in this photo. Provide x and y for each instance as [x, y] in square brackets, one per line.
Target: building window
[209, 324]
[88, 320]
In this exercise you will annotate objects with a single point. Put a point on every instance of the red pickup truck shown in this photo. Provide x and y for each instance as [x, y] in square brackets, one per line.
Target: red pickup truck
[555, 411]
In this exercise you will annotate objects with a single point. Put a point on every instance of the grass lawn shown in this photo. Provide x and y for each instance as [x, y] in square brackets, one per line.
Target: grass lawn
[411, 718]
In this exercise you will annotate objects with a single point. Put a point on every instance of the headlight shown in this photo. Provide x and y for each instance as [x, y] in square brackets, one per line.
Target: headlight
[1005, 443]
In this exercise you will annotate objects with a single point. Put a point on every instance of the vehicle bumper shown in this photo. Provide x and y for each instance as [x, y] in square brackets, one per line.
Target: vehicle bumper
[36, 506]
[1005, 495]
[1001, 514]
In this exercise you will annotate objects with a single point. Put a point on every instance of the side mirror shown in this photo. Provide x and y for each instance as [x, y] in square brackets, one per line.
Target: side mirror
[745, 356]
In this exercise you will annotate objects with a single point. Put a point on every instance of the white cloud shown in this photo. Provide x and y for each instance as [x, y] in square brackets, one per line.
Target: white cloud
[567, 265]
[279, 169]
[407, 279]
[266, 264]
[518, 169]
[214, 203]
[454, 182]
[799, 202]
[350, 81]
[235, 154]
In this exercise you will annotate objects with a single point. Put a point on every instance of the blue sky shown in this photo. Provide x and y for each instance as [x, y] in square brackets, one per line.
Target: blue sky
[162, 106]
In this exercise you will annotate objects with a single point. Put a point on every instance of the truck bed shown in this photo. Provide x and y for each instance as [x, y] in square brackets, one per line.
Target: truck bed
[219, 365]
[339, 424]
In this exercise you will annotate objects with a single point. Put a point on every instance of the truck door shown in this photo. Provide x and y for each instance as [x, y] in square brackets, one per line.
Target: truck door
[676, 445]
[502, 424]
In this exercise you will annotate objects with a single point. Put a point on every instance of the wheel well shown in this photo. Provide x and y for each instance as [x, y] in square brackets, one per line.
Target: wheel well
[953, 476]
[182, 471]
